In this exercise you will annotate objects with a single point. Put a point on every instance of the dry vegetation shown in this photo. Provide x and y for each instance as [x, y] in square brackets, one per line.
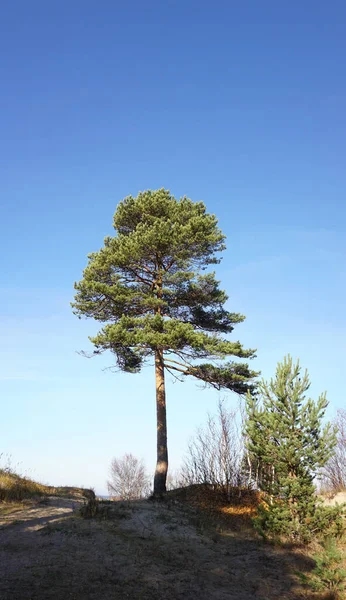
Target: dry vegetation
[14, 488]
[17, 488]
[334, 473]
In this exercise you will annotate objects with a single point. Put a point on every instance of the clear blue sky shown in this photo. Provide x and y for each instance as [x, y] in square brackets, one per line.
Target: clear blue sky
[241, 105]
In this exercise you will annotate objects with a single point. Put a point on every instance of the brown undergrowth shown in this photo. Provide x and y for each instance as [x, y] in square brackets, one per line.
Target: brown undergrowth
[232, 509]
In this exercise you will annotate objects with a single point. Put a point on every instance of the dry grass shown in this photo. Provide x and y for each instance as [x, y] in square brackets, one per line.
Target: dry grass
[16, 488]
[232, 511]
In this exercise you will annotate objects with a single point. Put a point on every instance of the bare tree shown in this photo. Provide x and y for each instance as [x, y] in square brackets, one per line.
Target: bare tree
[215, 455]
[334, 473]
[128, 478]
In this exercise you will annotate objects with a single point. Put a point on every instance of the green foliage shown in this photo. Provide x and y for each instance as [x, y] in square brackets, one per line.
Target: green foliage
[273, 520]
[280, 519]
[148, 287]
[327, 521]
[286, 439]
[328, 574]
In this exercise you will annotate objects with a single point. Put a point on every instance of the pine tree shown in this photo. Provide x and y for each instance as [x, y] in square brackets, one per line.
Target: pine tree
[286, 440]
[147, 285]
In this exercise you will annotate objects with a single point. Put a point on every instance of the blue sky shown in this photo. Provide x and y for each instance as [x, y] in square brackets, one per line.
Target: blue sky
[239, 105]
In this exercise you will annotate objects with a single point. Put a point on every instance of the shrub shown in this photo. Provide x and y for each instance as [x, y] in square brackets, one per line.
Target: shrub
[334, 472]
[215, 454]
[328, 574]
[277, 519]
[89, 509]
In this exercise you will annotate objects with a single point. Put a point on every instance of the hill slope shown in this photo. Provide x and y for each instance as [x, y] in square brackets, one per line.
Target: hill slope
[139, 550]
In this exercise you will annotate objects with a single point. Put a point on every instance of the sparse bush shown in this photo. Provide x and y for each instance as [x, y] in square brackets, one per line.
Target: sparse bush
[89, 509]
[215, 454]
[334, 473]
[128, 478]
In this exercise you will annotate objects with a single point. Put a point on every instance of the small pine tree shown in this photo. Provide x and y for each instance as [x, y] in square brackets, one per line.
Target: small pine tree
[286, 439]
[328, 574]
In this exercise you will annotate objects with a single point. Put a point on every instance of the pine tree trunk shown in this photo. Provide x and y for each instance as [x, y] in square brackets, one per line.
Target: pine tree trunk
[162, 453]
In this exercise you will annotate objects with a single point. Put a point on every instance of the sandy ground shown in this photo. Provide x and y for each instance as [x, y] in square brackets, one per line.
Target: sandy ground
[333, 500]
[143, 550]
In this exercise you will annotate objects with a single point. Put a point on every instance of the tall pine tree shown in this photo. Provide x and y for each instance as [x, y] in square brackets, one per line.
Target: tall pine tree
[148, 286]
[287, 443]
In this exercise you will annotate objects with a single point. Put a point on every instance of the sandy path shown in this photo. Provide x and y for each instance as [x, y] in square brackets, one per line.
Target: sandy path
[38, 516]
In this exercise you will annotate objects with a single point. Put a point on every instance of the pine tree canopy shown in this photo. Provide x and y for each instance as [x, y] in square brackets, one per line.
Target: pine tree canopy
[148, 285]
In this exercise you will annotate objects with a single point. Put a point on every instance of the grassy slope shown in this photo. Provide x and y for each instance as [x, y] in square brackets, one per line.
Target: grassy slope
[15, 488]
